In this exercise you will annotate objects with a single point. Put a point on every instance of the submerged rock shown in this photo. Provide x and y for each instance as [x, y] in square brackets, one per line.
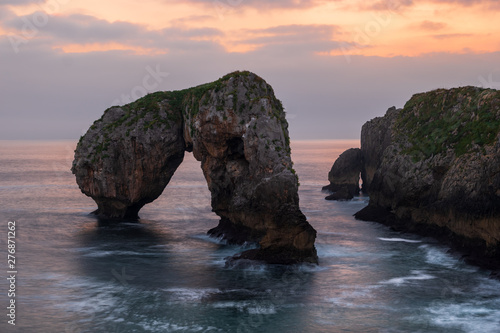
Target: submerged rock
[433, 167]
[236, 128]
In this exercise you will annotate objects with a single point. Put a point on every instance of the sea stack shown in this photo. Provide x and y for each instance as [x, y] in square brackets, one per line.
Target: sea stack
[433, 167]
[344, 175]
[236, 128]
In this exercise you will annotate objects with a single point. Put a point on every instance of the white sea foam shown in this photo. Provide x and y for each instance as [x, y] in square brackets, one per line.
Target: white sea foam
[100, 254]
[310, 268]
[97, 297]
[249, 266]
[160, 326]
[436, 256]
[247, 306]
[220, 262]
[83, 249]
[265, 310]
[332, 251]
[338, 251]
[240, 305]
[359, 298]
[416, 276]
[467, 317]
[86, 284]
[210, 239]
[399, 240]
[356, 304]
[190, 294]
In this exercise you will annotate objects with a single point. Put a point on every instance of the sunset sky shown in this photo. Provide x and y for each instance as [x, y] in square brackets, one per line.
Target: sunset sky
[334, 64]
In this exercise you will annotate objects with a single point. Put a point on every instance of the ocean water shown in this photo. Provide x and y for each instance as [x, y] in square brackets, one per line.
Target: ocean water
[164, 274]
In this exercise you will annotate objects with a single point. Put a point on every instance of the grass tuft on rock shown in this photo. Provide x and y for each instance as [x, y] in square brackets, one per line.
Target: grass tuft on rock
[461, 119]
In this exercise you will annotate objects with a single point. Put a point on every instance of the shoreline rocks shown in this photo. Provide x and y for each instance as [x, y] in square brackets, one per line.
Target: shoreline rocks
[433, 168]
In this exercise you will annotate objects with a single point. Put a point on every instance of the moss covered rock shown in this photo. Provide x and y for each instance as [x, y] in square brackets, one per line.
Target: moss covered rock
[236, 128]
[433, 167]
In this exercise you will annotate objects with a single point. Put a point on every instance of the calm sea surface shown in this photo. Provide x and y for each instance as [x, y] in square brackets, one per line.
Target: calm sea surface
[165, 275]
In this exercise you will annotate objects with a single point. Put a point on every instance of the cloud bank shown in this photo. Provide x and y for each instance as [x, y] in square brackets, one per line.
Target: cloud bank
[61, 70]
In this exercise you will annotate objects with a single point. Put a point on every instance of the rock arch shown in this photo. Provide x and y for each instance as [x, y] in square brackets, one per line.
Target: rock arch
[236, 128]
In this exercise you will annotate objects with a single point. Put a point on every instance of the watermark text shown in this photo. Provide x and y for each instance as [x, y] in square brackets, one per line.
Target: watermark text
[11, 272]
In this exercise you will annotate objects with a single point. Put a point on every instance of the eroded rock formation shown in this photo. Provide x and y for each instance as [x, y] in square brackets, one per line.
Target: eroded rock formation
[376, 136]
[344, 175]
[237, 129]
[433, 167]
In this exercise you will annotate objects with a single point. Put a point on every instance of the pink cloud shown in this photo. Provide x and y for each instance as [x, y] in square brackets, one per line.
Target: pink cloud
[433, 26]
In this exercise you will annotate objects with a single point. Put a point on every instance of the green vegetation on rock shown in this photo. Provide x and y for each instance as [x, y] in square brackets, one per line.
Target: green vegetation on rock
[458, 119]
[163, 109]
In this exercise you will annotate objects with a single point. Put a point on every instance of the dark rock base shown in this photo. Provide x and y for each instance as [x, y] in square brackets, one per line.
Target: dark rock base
[243, 235]
[472, 251]
[340, 195]
[278, 256]
[234, 234]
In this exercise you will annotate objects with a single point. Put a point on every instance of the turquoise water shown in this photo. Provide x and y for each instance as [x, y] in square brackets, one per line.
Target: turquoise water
[165, 275]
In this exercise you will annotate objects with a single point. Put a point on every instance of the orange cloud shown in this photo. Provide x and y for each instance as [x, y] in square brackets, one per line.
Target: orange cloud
[383, 28]
[103, 47]
[430, 25]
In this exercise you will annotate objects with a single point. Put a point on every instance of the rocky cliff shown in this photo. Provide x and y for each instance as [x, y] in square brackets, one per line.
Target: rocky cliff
[237, 129]
[433, 167]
